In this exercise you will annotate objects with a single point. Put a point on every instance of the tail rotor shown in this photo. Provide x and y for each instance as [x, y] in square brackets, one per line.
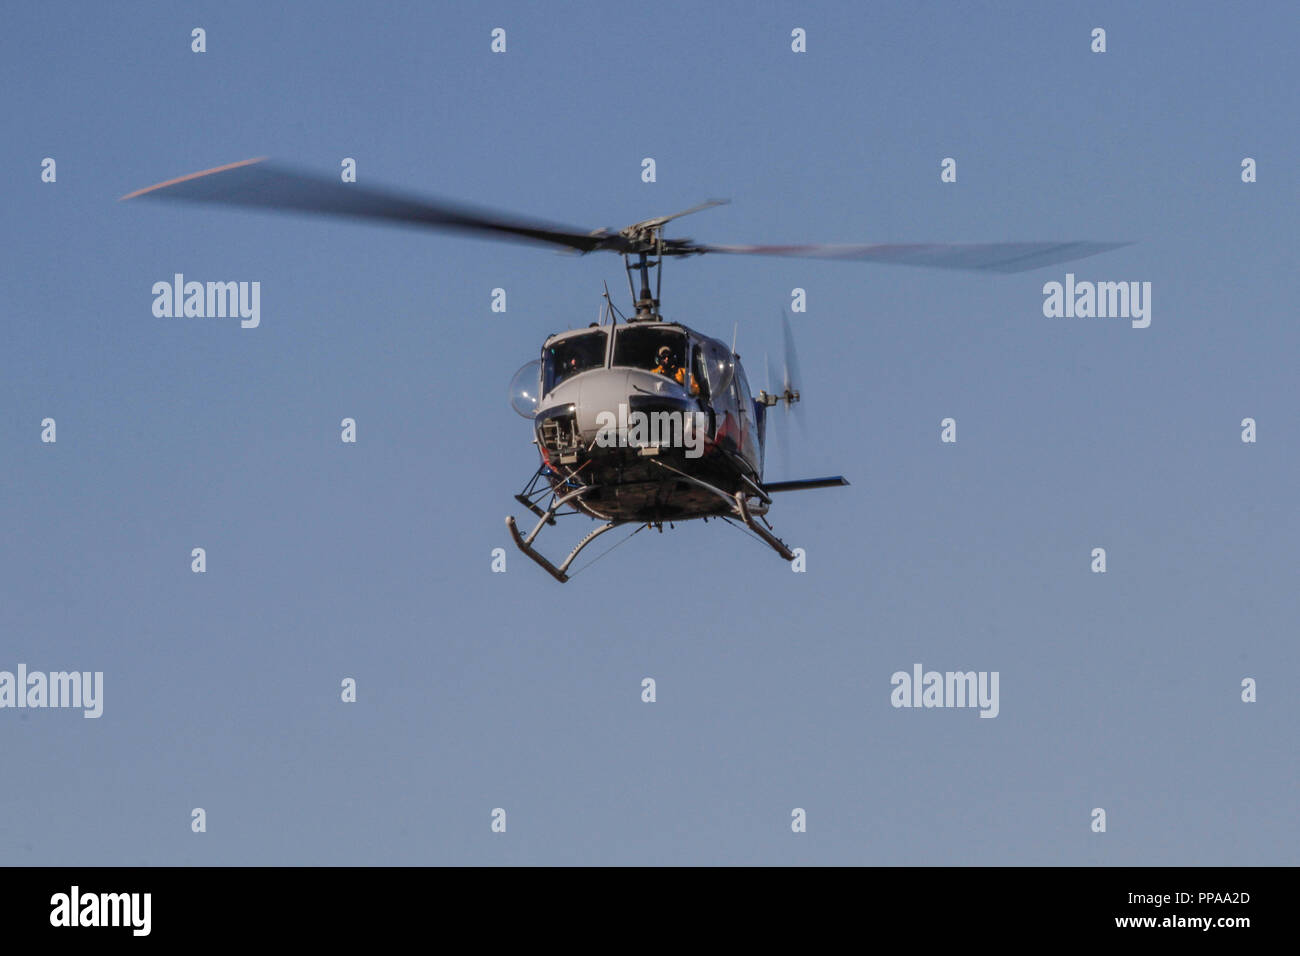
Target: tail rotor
[789, 393]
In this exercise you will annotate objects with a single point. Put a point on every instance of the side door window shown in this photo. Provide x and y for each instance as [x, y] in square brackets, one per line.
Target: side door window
[699, 373]
[743, 400]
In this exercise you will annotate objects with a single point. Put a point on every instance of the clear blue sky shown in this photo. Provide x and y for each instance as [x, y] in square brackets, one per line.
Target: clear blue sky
[481, 690]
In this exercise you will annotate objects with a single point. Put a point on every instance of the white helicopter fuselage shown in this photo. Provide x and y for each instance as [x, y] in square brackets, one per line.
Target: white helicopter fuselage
[653, 441]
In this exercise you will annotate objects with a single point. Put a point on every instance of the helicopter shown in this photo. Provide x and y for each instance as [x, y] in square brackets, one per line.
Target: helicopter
[637, 420]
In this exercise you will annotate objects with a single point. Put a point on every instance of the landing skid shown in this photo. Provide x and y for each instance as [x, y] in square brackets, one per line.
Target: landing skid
[561, 496]
[526, 544]
[772, 540]
[737, 506]
[740, 509]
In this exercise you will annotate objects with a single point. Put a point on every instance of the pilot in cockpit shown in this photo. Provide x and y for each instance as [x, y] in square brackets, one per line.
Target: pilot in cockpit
[668, 365]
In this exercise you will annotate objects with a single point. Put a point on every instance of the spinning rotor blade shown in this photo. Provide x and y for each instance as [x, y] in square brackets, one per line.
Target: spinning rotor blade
[772, 441]
[980, 256]
[257, 184]
[659, 221]
[791, 381]
[792, 377]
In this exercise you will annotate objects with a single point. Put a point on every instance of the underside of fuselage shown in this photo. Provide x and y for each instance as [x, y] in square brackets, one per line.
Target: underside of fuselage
[647, 486]
[629, 485]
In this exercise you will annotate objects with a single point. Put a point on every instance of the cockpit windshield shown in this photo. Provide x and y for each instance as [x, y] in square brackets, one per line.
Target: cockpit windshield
[655, 350]
[570, 356]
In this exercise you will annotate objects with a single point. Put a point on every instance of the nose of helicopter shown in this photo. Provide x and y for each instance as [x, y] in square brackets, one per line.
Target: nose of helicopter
[603, 390]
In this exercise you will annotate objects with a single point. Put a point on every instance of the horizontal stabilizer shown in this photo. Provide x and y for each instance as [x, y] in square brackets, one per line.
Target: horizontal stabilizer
[804, 484]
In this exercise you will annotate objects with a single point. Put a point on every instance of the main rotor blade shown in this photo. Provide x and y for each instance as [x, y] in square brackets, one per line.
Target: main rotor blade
[257, 184]
[981, 256]
[660, 220]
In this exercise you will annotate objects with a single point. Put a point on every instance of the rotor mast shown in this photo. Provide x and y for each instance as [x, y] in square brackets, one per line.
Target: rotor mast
[643, 247]
[647, 305]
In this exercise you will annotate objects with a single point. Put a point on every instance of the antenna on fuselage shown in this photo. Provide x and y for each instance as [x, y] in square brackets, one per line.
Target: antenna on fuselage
[609, 308]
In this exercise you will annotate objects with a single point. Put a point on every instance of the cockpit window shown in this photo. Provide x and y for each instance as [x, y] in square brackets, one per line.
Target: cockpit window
[644, 348]
[699, 373]
[570, 356]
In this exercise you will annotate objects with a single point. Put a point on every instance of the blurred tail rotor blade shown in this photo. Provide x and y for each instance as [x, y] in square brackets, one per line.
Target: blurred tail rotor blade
[785, 448]
[793, 377]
